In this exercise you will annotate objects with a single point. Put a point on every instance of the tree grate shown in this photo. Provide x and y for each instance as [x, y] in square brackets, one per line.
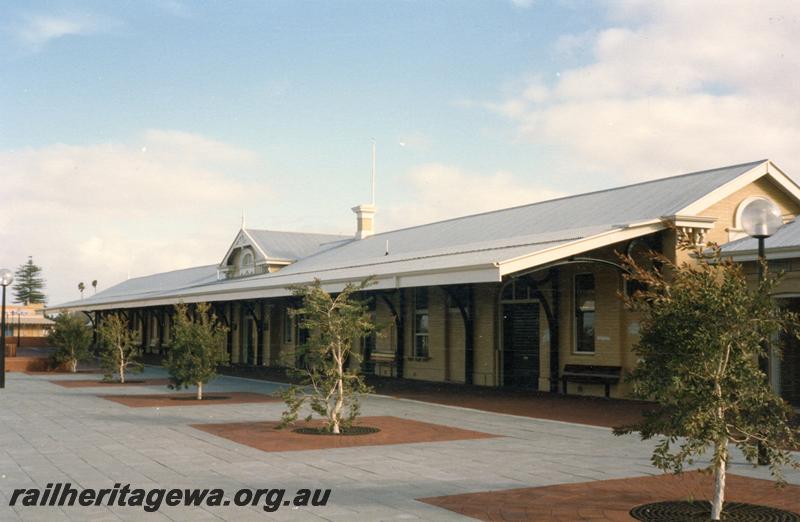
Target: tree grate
[674, 511]
[352, 430]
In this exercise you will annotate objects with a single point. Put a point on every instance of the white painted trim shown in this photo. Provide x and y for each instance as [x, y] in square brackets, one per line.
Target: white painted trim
[586, 244]
[772, 253]
[706, 223]
[478, 274]
[767, 168]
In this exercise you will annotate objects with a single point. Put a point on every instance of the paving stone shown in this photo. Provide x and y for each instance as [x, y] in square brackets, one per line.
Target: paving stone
[49, 433]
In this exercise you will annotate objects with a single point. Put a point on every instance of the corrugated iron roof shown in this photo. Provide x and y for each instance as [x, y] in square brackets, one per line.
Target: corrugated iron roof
[291, 246]
[486, 238]
[787, 237]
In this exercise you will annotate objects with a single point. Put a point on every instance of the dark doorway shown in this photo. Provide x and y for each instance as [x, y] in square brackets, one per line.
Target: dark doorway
[790, 363]
[521, 345]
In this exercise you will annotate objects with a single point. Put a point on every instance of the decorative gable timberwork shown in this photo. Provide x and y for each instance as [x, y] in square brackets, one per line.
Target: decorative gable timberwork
[244, 258]
[255, 251]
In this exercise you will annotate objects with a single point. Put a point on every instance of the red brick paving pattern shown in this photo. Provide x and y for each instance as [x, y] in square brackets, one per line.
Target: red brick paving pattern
[610, 500]
[594, 411]
[92, 383]
[394, 430]
[160, 400]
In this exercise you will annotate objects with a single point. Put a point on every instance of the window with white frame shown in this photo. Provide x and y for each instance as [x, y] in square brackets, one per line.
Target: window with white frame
[584, 313]
[421, 323]
[246, 263]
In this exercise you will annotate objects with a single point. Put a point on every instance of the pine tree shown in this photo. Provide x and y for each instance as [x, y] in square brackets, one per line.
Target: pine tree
[29, 284]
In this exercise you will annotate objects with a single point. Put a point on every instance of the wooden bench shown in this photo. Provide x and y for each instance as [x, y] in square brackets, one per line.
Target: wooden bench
[591, 374]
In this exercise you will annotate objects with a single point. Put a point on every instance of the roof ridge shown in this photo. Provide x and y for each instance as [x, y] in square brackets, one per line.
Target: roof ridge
[573, 196]
[297, 233]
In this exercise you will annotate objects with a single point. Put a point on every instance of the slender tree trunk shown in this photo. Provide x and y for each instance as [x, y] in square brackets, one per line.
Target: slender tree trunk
[200, 391]
[121, 367]
[719, 482]
[337, 408]
[73, 365]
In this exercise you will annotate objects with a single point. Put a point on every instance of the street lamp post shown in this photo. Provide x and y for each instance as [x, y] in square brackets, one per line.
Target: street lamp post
[6, 278]
[761, 218]
[19, 328]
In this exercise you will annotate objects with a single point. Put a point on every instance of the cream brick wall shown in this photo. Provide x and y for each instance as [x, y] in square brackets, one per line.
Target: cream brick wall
[287, 349]
[486, 342]
[456, 342]
[386, 341]
[724, 211]
[236, 329]
[275, 314]
[432, 368]
[265, 340]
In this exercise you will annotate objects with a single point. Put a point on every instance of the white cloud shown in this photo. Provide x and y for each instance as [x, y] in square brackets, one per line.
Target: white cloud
[443, 191]
[36, 31]
[165, 201]
[672, 86]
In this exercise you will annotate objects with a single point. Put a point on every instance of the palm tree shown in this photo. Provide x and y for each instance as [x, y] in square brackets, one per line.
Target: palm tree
[81, 288]
[94, 285]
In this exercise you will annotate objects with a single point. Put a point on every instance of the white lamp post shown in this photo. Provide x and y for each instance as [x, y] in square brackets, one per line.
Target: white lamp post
[6, 278]
[761, 218]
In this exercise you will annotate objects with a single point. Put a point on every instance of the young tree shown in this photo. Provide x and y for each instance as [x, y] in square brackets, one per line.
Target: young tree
[119, 348]
[198, 347]
[81, 288]
[329, 384]
[29, 283]
[702, 332]
[71, 337]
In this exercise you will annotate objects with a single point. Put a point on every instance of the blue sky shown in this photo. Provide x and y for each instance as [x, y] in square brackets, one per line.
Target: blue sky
[306, 84]
[140, 130]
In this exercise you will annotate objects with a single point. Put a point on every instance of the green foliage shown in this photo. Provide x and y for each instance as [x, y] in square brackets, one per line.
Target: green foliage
[329, 376]
[119, 348]
[71, 337]
[28, 284]
[198, 347]
[702, 333]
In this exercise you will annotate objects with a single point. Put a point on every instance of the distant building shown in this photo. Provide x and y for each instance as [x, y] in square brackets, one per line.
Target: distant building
[27, 325]
[525, 297]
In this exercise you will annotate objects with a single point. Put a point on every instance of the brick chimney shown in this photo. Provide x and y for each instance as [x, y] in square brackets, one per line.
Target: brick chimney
[365, 220]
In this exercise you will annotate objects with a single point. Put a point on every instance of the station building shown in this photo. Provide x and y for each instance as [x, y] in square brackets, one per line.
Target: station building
[521, 297]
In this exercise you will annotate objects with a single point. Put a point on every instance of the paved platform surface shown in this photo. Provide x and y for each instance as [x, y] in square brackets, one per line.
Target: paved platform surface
[49, 433]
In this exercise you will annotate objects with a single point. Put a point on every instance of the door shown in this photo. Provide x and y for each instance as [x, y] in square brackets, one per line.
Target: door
[521, 345]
